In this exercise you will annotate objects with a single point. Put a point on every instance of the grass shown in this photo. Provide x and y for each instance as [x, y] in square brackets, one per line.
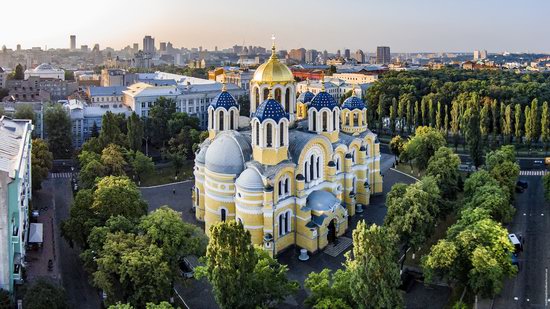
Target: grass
[406, 168]
[166, 174]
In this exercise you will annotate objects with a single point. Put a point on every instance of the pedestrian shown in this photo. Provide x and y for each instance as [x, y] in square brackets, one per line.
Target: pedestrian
[174, 191]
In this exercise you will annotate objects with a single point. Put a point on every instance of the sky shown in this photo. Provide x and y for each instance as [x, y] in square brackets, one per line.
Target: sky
[404, 25]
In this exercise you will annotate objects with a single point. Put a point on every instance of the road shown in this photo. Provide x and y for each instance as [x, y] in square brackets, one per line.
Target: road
[75, 279]
[530, 288]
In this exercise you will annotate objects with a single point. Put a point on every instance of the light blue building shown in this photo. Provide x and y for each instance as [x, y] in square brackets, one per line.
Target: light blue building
[15, 193]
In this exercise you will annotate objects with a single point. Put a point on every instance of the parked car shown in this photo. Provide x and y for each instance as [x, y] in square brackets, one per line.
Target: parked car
[517, 242]
[522, 184]
[515, 261]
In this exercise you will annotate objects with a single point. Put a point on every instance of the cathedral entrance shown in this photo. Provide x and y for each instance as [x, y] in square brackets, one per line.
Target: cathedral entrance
[331, 236]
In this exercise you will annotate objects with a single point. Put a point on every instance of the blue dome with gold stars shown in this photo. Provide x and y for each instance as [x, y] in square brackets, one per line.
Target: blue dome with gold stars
[353, 102]
[306, 97]
[225, 100]
[270, 109]
[323, 99]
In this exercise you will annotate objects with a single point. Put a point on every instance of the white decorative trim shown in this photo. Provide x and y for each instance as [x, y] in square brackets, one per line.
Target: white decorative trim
[249, 210]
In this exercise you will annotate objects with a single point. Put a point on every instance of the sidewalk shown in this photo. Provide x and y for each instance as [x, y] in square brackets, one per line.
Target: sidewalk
[37, 259]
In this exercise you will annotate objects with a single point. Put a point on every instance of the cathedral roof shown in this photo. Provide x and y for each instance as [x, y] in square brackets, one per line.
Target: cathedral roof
[323, 99]
[297, 142]
[273, 70]
[224, 99]
[251, 180]
[306, 97]
[353, 102]
[270, 109]
[321, 200]
[228, 153]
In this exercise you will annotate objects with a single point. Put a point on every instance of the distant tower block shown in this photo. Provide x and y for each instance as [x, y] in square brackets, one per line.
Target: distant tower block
[73, 42]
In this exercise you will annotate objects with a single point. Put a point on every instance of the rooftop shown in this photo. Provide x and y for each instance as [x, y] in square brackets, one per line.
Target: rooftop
[13, 133]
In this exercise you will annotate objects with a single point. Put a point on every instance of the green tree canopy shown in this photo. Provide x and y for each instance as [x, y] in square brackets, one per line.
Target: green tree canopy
[422, 146]
[41, 161]
[443, 165]
[45, 294]
[25, 111]
[58, 127]
[135, 129]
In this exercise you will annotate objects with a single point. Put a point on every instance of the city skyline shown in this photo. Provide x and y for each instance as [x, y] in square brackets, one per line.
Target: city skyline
[426, 26]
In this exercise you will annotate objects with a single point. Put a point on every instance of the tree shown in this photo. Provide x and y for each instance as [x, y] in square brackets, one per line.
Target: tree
[110, 131]
[402, 114]
[58, 127]
[41, 161]
[410, 115]
[81, 219]
[497, 126]
[424, 111]
[396, 145]
[112, 158]
[374, 271]
[446, 121]
[165, 228]
[328, 291]
[455, 122]
[230, 262]
[24, 111]
[438, 117]
[161, 305]
[412, 211]
[19, 73]
[135, 132]
[535, 120]
[381, 111]
[393, 116]
[417, 116]
[159, 115]
[432, 113]
[45, 294]
[443, 165]
[518, 125]
[484, 121]
[90, 172]
[477, 180]
[142, 164]
[529, 129]
[5, 299]
[242, 277]
[476, 253]
[545, 125]
[473, 134]
[502, 166]
[95, 130]
[507, 123]
[131, 269]
[494, 200]
[117, 196]
[422, 146]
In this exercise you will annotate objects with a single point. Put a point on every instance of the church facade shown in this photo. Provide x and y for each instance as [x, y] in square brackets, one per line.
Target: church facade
[296, 173]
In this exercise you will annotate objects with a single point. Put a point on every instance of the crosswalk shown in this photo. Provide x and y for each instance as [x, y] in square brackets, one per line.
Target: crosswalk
[532, 173]
[61, 175]
[335, 250]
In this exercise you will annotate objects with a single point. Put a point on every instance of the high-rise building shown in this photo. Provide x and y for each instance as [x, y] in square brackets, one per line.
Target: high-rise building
[73, 42]
[149, 45]
[84, 48]
[347, 53]
[359, 56]
[311, 56]
[338, 54]
[297, 54]
[136, 47]
[162, 46]
[383, 55]
[18, 47]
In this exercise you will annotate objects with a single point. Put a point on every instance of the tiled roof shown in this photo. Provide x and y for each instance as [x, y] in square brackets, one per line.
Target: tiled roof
[270, 109]
[323, 99]
[225, 100]
[353, 102]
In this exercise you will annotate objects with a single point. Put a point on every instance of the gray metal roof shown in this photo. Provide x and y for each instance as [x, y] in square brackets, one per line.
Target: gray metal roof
[107, 91]
[228, 153]
[297, 141]
[251, 180]
[321, 200]
[12, 135]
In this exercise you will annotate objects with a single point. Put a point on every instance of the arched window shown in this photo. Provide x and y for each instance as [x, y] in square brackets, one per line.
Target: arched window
[269, 135]
[355, 119]
[284, 186]
[282, 133]
[257, 133]
[334, 118]
[266, 94]
[353, 156]
[210, 121]
[306, 171]
[285, 223]
[314, 120]
[317, 167]
[337, 163]
[325, 121]
[197, 199]
[220, 120]
[223, 214]
[278, 95]
[287, 100]
[312, 167]
[232, 120]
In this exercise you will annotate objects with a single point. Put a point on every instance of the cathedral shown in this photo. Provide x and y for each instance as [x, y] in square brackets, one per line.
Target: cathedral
[295, 173]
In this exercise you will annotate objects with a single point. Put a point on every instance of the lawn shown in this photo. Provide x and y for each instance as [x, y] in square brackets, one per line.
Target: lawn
[165, 173]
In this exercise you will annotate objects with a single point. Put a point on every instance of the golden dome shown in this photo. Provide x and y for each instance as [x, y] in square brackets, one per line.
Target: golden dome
[273, 71]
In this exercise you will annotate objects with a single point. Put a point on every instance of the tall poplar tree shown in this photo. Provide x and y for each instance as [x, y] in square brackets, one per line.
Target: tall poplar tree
[507, 124]
[518, 124]
[545, 125]
[455, 122]
[424, 111]
[135, 132]
[393, 115]
[473, 134]
[535, 120]
[528, 126]
[431, 112]
[438, 117]
[446, 122]
[417, 116]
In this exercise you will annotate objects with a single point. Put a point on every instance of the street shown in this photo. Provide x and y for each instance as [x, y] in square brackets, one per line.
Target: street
[530, 288]
[75, 280]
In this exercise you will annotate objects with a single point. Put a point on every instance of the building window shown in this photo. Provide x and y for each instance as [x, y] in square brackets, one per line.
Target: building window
[325, 121]
[223, 214]
[269, 135]
[282, 133]
[285, 223]
[220, 120]
[257, 133]
[232, 120]
[284, 186]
